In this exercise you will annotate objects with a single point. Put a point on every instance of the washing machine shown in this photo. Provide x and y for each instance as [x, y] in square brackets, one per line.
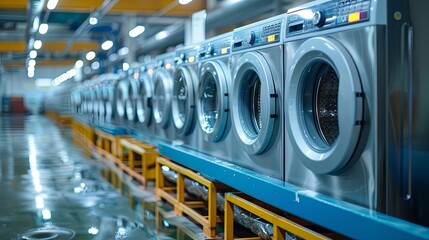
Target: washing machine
[183, 106]
[256, 98]
[213, 96]
[110, 84]
[121, 96]
[333, 57]
[162, 96]
[133, 92]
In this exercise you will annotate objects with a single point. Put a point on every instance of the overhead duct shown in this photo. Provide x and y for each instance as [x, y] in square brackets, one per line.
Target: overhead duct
[219, 18]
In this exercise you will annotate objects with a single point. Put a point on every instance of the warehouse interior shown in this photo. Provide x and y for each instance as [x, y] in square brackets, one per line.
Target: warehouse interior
[214, 119]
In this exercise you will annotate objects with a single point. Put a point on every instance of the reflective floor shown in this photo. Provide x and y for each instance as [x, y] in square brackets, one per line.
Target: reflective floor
[49, 189]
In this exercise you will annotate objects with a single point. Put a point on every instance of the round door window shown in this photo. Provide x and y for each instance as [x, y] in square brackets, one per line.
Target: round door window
[130, 104]
[121, 93]
[324, 105]
[213, 101]
[183, 100]
[144, 100]
[254, 102]
[162, 98]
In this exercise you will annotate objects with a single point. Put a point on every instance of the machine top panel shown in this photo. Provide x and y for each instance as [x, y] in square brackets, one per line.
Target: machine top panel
[327, 15]
[257, 34]
[215, 47]
[186, 55]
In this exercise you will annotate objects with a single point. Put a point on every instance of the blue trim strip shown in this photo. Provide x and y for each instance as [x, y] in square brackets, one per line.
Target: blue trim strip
[342, 217]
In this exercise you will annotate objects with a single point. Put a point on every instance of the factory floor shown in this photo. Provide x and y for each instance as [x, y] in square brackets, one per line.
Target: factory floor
[51, 189]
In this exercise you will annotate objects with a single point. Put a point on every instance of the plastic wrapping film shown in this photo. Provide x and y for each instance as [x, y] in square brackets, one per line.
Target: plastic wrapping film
[262, 229]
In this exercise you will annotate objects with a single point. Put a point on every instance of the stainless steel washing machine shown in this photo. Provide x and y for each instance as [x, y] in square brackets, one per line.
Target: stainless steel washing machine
[162, 96]
[256, 98]
[213, 109]
[121, 96]
[350, 106]
[183, 108]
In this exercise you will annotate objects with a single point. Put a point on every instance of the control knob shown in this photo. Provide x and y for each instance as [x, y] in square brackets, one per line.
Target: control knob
[160, 63]
[182, 57]
[319, 18]
[251, 38]
[210, 50]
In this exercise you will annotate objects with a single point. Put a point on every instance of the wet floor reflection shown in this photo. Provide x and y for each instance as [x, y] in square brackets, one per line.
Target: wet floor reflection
[49, 189]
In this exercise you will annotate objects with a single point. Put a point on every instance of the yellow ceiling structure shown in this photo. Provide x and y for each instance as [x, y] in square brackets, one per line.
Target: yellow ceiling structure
[13, 4]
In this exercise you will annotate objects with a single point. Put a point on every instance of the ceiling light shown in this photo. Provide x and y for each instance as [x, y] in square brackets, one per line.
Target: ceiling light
[184, 2]
[95, 65]
[125, 66]
[136, 31]
[33, 54]
[37, 44]
[107, 45]
[123, 51]
[52, 4]
[36, 24]
[43, 28]
[93, 20]
[32, 62]
[79, 64]
[30, 74]
[161, 35]
[90, 55]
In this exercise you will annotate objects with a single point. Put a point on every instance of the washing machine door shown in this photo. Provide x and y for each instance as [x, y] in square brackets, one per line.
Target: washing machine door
[212, 103]
[162, 98]
[130, 103]
[324, 105]
[91, 101]
[121, 97]
[254, 102]
[110, 101]
[183, 104]
[144, 100]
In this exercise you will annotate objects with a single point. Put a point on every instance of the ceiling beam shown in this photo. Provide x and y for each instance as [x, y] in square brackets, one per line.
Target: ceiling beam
[12, 46]
[49, 46]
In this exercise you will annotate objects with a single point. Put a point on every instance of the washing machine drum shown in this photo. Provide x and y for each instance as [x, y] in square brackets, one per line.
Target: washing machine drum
[183, 103]
[91, 101]
[162, 98]
[212, 103]
[130, 103]
[255, 102]
[324, 105]
[121, 97]
[144, 100]
[110, 102]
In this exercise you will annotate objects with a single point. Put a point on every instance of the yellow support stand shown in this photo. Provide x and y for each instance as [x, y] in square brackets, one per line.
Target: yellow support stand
[61, 119]
[137, 159]
[107, 145]
[175, 195]
[281, 225]
[83, 135]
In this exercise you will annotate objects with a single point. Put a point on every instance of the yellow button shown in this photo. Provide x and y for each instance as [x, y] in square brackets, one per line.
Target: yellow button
[353, 17]
[271, 38]
[168, 66]
[224, 50]
[191, 59]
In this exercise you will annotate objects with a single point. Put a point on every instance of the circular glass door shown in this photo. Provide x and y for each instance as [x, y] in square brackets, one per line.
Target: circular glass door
[212, 101]
[130, 103]
[144, 100]
[324, 105]
[254, 102]
[162, 98]
[121, 96]
[110, 102]
[183, 100]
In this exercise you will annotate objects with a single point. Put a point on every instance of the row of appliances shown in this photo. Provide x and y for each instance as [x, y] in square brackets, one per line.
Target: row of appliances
[322, 97]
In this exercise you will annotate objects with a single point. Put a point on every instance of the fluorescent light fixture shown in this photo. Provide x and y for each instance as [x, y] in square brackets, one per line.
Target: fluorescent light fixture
[107, 45]
[30, 74]
[113, 57]
[37, 44]
[43, 29]
[32, 62]
[123, 51]
[90, 55]
[93, 230]
[43, 82]
[125, 66]
[93, 20]
[79, 64]
[71, 72]
[52, 4]
[136, 31]
[161, 35]
[36, 22]
[184, 2]
[33, 54]
[46, 214]
[95, 65]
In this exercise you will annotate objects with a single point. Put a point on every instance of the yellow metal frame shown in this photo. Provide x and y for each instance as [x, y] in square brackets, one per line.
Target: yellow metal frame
[137, 159]
[176, 195]
[280, 224]
[61, 119]
[83, 135]
[107, 145]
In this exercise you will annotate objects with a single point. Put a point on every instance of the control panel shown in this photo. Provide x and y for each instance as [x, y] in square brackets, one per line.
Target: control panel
[214, 49]
[327, 15]
[166, 63]
[257, 35]
[184, 56]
